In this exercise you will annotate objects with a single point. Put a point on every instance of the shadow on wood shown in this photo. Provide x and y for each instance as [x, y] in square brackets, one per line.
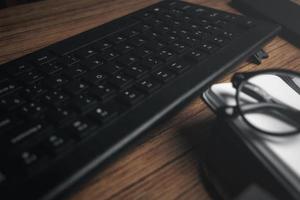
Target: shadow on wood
[197, 135]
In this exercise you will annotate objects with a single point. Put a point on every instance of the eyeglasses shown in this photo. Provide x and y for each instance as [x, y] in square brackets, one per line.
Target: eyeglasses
[269, 101]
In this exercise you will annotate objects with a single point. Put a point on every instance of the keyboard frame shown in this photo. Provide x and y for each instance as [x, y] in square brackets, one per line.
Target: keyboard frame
[64, 177]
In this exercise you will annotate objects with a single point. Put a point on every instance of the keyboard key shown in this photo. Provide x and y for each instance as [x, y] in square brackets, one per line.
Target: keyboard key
[211, 29]
[111, 68]
[117, 38]
[154, 22]
[28, 158]
[60, 116]
[228, 17]
[218, 41]
[226, 34]
[109, 54]
[143, 15]
[148, 85]
[185, 8]
[11, 102]
[176, 23]
[18, 67]
[74, 72]
[175, 32]
[151, 62]
[120, 80]
[130, 96]
[102, 91]
[194, 27]
[158, 10]
[7, 122]
[142, 52]
[208, 48]
[94, 77]
[179, 47]
[162, 28]
[76, 87]
[178, 66]
[155, 45]
[166, 16]
[220, 23]
[29, 161]
[51, 67]
[202, 22]
[54, 98]
[137, 41]
[43, 57]
[165, 55]
[101, 45]
[84, 103]
[212, 16]
[93, 62]
[81, 128]
[57, 143]
[86, 52]
[196, 55]
[32, 110]
[124, 48]
[176, 13]
[186, 19]
[55, 81]
[31, 77]
[33, 91]
[7, 87]
[191, 40]
[151, 35]
[170, 38]
[183, 33]
[131, 32]
[69, 59]
[136, 71]
[142, 27]
[200, 11]
[23, 133]
[163, 75]
[103, 113]
[128, 60]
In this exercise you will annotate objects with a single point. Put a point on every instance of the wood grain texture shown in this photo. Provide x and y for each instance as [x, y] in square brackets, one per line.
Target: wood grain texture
[164, 165]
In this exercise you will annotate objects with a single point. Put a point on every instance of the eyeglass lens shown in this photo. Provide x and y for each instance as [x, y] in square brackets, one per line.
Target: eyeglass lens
[270, 102]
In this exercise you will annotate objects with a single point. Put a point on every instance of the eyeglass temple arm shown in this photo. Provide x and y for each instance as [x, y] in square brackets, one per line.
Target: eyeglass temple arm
[279, 111]
[258, 93]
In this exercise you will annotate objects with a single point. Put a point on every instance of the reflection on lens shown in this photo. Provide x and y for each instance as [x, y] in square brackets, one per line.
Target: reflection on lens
[270, 102]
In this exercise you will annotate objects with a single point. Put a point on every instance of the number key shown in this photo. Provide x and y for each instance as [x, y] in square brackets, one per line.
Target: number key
[163, 75]
[148, 85]
[130, 96]
[81, 128]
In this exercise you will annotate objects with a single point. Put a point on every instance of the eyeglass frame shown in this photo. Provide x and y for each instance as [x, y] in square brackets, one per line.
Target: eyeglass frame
[237, 81]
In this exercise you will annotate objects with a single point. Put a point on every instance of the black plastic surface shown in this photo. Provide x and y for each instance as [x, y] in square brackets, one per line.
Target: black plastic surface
[284, 12]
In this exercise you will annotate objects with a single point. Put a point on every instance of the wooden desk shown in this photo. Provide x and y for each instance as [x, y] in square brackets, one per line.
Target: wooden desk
[162, 166]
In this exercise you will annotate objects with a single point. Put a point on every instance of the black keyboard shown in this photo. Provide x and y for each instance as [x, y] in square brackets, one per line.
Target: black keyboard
[67, 108]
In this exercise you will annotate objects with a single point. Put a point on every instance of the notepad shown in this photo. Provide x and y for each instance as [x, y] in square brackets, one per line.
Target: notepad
[286, 149]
